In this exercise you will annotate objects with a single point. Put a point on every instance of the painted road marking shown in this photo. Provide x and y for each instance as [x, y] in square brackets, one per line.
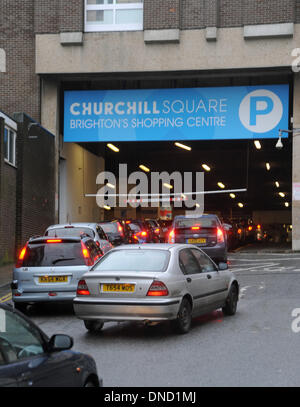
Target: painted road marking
[5, 298]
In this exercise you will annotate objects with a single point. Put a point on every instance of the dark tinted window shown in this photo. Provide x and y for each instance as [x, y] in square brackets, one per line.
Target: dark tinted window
[53, 254]
[101, 233]
[205, 263]
[134, 260]
[135, 227]
[188, 263]
[95, 251]
[109, 227]
[70, 231]
[18, 338]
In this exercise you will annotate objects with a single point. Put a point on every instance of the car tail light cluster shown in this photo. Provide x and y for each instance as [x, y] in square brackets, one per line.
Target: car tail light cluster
[171, 238]
[86, 255]
[157, 289]
[120, 230]
[143, 233]
[21, 257]
[82, 288]
[220, 235]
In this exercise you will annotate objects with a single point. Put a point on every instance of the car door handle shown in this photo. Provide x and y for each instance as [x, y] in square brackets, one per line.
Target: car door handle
[189, 280]
[208, 276]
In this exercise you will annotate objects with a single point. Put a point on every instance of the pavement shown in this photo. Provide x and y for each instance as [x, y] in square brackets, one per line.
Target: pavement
[6, 274]
[265, 247]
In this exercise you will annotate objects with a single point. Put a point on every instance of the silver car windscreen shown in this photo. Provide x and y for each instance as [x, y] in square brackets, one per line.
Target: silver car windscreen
[134, 260]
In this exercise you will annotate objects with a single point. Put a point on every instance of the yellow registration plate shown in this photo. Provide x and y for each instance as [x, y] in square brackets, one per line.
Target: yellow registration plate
[193, 241]
[53, 279]
[120, 288]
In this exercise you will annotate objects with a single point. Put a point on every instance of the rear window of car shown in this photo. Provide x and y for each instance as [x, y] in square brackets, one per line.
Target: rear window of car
[135, 227]
[202, 222]
[70, 231]
[109, 227]
[53, 254]
[134, 260]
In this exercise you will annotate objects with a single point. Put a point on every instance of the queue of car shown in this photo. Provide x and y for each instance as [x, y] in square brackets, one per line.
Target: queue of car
[122, 270]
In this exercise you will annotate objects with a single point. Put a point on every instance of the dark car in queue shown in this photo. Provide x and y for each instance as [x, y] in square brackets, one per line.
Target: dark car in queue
[157, 230]
[142, 232]
[114, 231]
[166, 227]
[205, 232]
[79, 229]
[29, 358]
[48, 269]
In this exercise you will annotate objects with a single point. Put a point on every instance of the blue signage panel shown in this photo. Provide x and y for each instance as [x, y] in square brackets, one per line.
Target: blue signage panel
[241, 112]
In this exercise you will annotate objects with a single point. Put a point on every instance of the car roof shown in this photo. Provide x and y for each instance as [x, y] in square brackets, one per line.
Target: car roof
[152, 246]
[75, 224]
[206, 215]
[43, 239]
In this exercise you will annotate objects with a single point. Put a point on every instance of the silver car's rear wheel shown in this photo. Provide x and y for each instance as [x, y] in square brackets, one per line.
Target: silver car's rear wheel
[93, 325]
[182, 324]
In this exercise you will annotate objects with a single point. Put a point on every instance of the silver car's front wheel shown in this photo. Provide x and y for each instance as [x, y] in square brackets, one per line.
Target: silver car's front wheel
[182, 323]
[231, 302]
[93, 325]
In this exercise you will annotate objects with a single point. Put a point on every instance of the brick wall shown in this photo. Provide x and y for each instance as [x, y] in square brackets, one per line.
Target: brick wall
[35, 181]
[160, 14]
[192, 14]
[268, 11]
[46, 16]
[19, 86]
[197, 14]
[297, 11]
[8, 176]
[71, 15]
[56, 16]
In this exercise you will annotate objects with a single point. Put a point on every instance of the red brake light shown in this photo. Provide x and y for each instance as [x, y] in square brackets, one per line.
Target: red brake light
[157, 230]
[195, 227]
[220, 236]
[120, 229]
[54, 241]
[21, 257]
[171, 238]
[157, 288]
[86, 255]
[143, 233]
[82, 288]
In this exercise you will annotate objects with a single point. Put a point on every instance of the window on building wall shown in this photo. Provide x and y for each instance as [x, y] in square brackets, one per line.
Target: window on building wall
[113, 15]
[10, 145]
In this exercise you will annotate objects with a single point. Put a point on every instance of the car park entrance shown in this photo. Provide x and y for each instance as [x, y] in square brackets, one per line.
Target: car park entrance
[168, 125]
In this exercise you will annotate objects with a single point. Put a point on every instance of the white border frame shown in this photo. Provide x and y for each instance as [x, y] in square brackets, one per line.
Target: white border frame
[112, 27]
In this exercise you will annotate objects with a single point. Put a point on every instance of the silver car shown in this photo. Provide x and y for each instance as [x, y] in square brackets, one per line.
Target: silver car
[48, 269]
[154, 282]
[94, 230]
